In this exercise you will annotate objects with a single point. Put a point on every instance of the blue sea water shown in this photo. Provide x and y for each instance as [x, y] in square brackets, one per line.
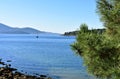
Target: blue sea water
[49, 54]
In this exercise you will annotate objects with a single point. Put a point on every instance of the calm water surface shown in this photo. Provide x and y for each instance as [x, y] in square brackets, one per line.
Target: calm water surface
[48, 54]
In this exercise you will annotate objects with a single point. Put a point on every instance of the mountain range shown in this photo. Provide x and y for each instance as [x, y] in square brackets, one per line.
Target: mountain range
[5, 29]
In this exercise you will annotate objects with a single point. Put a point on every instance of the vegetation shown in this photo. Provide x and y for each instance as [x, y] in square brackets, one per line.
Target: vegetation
[75, 33]
[101, 51]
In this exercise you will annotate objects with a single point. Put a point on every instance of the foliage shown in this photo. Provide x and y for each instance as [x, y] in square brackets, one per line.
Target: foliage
[101, 51]
[109, 11]
[72, 33]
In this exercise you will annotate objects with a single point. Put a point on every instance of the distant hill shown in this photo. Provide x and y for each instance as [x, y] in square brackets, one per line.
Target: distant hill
[5, 29]
[74, 33]
[30, 30]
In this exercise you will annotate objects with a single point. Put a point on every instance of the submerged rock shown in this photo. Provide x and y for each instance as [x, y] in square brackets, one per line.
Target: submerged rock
[6, 72]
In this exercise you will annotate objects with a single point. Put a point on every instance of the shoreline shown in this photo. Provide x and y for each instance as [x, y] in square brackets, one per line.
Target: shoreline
[7, 72]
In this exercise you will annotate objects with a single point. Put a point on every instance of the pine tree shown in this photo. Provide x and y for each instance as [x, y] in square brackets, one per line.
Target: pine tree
[101, 52]
[109, 11]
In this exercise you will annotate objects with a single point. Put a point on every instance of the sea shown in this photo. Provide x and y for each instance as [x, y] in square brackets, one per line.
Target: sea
[43, 54]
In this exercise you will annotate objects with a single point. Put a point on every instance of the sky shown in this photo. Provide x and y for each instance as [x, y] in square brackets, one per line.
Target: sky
[56, 16]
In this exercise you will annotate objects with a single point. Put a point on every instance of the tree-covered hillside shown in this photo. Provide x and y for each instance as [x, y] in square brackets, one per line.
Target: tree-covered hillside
[74, 33]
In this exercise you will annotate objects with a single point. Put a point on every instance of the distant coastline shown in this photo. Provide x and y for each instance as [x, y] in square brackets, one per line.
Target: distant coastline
[74, 33]
[5, 29]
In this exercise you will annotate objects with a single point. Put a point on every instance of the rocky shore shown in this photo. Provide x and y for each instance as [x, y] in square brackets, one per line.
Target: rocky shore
[7, 72]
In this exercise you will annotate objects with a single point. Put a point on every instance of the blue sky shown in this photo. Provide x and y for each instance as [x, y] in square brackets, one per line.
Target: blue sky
[49, 15]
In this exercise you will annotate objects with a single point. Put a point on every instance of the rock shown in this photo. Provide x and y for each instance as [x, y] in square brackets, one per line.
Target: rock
[43, 76]
[9, 61]
[6, 72]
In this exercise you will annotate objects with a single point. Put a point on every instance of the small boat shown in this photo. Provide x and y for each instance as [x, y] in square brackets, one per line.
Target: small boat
[37, 36]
